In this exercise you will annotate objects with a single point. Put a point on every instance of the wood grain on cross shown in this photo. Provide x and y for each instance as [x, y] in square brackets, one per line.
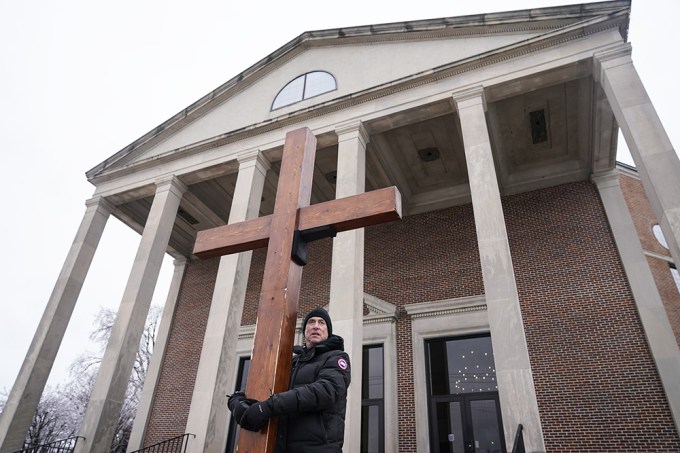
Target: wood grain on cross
[277, 312]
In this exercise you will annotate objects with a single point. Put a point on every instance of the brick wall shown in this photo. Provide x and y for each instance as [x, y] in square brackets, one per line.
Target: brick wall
[644, 219]
[596, 383]
[175, 386]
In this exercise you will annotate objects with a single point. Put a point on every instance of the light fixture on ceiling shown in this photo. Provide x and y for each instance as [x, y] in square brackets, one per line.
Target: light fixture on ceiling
[332, 177]
[429, 154]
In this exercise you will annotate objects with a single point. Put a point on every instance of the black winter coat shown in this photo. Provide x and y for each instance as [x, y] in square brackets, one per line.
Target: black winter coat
[312, 413]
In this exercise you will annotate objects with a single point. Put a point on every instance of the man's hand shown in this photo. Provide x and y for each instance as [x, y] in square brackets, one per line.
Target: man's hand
[256, 416]
[238, 404]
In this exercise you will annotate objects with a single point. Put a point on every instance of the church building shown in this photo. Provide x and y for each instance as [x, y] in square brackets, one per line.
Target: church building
[526, 296]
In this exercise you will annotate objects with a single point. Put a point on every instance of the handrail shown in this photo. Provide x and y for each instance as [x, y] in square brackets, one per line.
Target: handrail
[67, 445]
[175, 445]
[518, 446]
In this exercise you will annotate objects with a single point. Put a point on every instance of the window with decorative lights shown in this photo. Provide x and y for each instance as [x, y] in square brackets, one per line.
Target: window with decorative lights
[463, 405]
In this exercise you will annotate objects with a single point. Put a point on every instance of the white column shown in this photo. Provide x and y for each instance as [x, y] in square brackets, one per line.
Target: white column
[657, 327]
[513, 370]
[153, 373]
[108, 393]
[346, 306]
[652, 151]
[28, 387]
[208, 415]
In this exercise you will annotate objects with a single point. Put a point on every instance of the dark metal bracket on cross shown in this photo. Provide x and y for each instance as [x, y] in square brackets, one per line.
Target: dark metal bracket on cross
[285, 233]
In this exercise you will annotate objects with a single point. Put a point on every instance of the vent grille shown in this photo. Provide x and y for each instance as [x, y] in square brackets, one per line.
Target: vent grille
[429, 154]
[186, 216]
[539, 129]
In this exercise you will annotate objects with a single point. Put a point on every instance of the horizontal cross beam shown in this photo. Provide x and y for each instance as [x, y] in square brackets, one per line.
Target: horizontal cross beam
[343, 214]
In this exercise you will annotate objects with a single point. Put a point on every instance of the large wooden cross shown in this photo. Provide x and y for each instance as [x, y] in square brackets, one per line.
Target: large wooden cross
[285, 233]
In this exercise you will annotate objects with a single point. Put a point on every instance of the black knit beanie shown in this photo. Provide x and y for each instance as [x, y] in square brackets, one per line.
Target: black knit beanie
[321, 313]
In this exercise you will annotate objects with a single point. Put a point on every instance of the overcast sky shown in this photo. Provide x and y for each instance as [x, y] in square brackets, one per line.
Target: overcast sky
[79, 80]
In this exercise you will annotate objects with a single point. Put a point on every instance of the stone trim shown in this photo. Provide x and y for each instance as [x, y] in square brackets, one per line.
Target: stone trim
[436, 319]
[446, 307]
[657, 256]
[246, 332]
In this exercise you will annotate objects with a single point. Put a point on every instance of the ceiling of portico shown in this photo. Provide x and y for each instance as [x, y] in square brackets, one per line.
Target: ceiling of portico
[421, 152]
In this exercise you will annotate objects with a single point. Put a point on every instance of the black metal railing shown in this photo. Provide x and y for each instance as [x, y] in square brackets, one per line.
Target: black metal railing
[175, 445]
[518, 446]
[58, 446]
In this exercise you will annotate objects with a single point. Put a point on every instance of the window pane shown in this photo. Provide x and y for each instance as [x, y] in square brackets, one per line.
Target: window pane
[676, 277]
[243, 375]
[242, 379]
[438, 368]
[658, 234]
[373, 375]
[370, 429]
[462, 366]
[485, 429]
[318, 83]
[449, 427]
[471, 365]
[290, 94]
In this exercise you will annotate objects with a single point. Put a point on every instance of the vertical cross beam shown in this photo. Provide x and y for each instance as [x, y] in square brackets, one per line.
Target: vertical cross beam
[277, 310]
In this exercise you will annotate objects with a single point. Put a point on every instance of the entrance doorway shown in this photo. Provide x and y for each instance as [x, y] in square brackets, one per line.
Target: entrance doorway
[464, 411]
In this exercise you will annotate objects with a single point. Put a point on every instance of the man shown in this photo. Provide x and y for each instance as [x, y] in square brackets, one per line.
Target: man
[312, 413]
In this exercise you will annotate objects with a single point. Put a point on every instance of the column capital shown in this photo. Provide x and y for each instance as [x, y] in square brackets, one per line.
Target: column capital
[354, 128]
[253, 157]
[613, 56]
[171, 182]
[179, 262]
[605, 179]
[100, 203]
[469, 96]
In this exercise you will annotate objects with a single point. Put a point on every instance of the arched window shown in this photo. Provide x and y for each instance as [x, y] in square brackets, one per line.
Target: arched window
[304, 87]
[656, 229]
[658, 234]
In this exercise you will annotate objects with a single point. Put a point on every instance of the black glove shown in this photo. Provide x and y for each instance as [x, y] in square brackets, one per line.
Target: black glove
[256, 416]
[238, 404]
[235, 399]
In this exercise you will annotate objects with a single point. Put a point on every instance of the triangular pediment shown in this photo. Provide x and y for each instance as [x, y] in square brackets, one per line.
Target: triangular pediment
[378, 309]
[365, 61]
[356, 68]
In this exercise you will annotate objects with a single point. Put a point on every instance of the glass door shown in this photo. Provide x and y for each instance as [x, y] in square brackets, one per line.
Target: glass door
[467, 424]
[464, 411]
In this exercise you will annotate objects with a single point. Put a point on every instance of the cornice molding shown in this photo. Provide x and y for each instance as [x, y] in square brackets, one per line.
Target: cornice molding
[379, 311]
[542, 42]
[246, 332]
[446, 307]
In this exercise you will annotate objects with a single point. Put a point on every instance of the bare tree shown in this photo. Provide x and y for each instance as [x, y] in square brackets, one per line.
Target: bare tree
[61, 410]
[84, 371]
[53, 420]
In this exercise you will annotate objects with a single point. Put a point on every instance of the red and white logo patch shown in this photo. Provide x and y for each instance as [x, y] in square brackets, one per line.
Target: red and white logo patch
[342, 363]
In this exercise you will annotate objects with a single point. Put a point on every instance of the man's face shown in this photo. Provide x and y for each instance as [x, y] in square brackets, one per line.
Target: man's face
[316, 331]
